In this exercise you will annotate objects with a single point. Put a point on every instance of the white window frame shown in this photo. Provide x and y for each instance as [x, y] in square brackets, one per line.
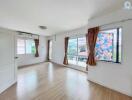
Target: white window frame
[25, 45]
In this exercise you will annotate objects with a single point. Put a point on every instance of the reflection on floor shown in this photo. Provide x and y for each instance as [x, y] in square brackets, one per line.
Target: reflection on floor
[47, 81]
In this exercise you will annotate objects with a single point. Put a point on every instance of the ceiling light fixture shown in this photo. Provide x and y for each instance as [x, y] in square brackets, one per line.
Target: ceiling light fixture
[43, 27]
[127, 5]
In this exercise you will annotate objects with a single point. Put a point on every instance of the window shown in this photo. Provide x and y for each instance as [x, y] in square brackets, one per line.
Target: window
[108, 48]
[108, 45]
[20, 46]
[50, 50]
[25, 46]
[77, 51]
[30, 46]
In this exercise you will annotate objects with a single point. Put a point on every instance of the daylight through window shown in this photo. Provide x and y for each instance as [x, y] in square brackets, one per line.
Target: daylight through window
[25, 46]
[108, 45]
[77, 51]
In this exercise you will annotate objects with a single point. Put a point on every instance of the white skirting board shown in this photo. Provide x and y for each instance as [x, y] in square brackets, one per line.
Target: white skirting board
[6, 86]
[110, 87]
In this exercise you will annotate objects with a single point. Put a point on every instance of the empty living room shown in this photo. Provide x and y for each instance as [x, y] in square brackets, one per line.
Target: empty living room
[65, 50]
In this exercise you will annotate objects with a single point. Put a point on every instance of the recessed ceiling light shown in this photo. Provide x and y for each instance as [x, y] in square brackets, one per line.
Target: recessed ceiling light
[127, 5]
[43, 27]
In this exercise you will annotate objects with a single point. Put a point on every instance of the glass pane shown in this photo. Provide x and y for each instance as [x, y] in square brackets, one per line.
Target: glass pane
[82, 61]
[30, 46]
[72, 47]
[120, 44]
[20, 46]
[72, 59]
[104, 47]
[115, 51]
[114, 45]
[82, 47]
[50, 50]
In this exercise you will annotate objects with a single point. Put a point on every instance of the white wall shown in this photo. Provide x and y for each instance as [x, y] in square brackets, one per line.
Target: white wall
[27, 59]
[58, 45]
[112, 75]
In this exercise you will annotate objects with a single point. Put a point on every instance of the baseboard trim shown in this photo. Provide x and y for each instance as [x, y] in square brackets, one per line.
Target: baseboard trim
[23, 66]
[116, 90]
[69, 67]
[8, 86]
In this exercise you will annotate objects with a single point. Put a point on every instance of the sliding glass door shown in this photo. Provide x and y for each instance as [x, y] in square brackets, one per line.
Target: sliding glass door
[77, 51]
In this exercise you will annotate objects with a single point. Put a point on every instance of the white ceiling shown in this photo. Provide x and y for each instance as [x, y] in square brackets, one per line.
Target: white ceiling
[57, 15]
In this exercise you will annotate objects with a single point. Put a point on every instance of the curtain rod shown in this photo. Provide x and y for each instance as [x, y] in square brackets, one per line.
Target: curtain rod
[124, 20]
[27, 33]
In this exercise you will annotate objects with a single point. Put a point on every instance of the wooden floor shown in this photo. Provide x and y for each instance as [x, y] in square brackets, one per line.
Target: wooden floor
[49, 81]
